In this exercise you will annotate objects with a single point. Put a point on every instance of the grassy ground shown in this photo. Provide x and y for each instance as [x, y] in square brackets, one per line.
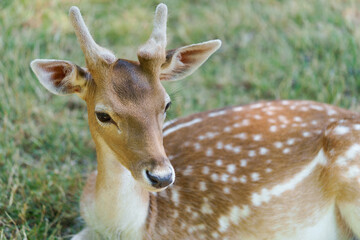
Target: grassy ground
[271, 50]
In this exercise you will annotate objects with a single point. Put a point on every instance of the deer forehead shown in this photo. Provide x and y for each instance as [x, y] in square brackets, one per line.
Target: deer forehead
[128, 87]
[131, 84]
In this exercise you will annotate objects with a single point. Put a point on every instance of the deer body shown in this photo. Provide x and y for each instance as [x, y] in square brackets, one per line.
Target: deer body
[270, 170]
[262, 171]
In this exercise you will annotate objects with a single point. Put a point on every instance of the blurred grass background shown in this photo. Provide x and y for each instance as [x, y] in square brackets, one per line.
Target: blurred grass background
[272, 49]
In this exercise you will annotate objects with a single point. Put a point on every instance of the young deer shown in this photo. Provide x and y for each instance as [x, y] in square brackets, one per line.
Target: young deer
[269, 170]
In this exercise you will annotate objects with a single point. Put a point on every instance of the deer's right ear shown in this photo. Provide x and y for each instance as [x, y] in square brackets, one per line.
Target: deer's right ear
[61, 77]
[182, 62]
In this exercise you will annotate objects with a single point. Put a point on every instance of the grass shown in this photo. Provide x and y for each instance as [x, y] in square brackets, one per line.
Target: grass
[271, 50]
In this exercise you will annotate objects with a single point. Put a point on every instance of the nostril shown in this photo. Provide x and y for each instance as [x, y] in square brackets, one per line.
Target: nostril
[152, 178]
[159, 181]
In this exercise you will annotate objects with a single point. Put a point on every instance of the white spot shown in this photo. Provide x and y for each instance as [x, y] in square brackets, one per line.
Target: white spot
[268, 170]
[206, 209]
[188, 170]
[227, 129]
[341, 130]
[282, 118]
[349, 155]
[263, 151]
[285, 102]
[180, 126]
[215, 114]
[356, 127]
[236, 125]
[195, 215]
[273, 128]
[215, 235]
[283, 125]
[237, 213]
[257, 105]
[278, 144]
[252, 153]
[306, 134]
[245, 122]
[231, 168]
[268, 161]
[226, 190]
[211, 134]
[203, 186]
[257, 137]
[214, 177]
[243, 179]
[218, 162]
[271, 120]
[270, 113]
[290, 141]
[243, 162]
[175, 196]
[237, 109]
[175, 214]
[241, 136]
[219, 145]
[255, 176]
[297, 119]
[237, 149]
[303, 124]
[286, 150]
[257, 116]
[234, 179]
[331, 112]
[228, 147]
[288, 184]
[316, 107]
[314, 122]
[224, 177]
[197, 146]
[304, 109]
[205, 170]
[209, 152]
[201, 137]
[353, 171]
[224, 223]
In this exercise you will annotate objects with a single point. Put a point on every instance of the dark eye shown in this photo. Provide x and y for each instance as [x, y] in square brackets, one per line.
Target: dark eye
[103, 117]
[167, 106]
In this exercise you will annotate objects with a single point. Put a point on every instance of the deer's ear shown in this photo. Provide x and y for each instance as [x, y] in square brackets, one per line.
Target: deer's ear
[61, 77]
[182, 62]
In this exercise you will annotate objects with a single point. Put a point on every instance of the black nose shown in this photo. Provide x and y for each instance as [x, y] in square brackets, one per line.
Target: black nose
[159, 181]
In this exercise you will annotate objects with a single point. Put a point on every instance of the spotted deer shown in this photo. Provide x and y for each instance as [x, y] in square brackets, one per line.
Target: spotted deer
[268, 170]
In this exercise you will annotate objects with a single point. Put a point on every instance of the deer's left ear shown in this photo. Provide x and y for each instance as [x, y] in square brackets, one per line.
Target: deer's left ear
[182, 62]
[61, 77]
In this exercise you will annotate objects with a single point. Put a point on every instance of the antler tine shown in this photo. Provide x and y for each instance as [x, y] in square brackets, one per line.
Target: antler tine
[154, 48]
[92, 51]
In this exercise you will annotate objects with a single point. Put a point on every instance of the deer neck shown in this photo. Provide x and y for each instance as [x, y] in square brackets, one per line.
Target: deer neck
[121, 204]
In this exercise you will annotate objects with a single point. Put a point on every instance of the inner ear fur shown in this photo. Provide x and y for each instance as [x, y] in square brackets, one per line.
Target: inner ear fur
[61, 77]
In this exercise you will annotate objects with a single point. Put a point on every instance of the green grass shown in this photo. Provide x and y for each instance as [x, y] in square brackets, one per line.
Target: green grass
[271, 50]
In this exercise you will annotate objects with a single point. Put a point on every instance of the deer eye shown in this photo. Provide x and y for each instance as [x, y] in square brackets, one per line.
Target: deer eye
[103, 117]
[167, 106]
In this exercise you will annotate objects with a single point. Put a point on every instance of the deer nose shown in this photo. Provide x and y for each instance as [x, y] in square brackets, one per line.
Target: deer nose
[160, 181]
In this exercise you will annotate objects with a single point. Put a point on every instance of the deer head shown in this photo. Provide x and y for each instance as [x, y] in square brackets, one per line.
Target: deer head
[125, 99]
